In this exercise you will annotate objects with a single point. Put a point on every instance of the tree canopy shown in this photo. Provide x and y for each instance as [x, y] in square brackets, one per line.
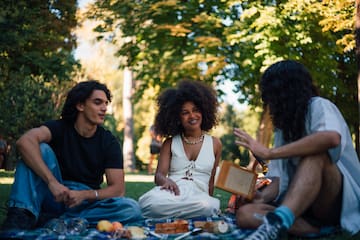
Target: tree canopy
[163, 41]
[36, 61]
[166, 40]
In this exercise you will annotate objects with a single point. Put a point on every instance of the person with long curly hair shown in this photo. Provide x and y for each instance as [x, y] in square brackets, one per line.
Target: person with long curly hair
[313, 164]
[188, 157]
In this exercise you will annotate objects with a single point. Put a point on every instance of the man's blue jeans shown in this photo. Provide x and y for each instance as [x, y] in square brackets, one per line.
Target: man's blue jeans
[29, 191]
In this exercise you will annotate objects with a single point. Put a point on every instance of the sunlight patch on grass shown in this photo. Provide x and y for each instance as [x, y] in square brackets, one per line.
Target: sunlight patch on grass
[6, 180]
[139, 178]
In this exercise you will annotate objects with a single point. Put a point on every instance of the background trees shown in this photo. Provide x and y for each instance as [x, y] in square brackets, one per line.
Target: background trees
[162, 41]
[236, 40]
[36, 61]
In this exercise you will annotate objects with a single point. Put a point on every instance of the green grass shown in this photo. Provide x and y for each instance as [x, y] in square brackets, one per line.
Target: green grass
[4, 191]
[134, 190]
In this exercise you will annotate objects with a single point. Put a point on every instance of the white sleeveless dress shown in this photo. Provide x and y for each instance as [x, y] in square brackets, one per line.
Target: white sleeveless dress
[194, 199]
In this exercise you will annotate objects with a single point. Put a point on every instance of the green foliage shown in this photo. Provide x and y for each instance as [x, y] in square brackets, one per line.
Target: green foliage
[166, 40]
[144, 115]
[235, 40]
[339, 17]
[36, 61]
[111, 125]
[294, 33]
[230, 119]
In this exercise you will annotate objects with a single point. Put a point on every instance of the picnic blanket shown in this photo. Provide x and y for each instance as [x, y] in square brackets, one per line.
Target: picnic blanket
[149, 224]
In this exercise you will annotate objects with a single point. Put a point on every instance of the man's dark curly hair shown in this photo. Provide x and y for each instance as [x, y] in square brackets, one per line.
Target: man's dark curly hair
[78, 94]
[286, 88]
[169, 103]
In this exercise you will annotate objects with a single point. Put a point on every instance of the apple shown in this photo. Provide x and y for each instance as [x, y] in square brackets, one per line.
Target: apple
[104, 226]
[117, 226]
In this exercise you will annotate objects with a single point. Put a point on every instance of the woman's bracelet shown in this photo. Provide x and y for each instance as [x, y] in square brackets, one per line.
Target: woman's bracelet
[96, 195]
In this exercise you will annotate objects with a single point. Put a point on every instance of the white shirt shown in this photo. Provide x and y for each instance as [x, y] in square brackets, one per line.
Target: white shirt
[323, 115]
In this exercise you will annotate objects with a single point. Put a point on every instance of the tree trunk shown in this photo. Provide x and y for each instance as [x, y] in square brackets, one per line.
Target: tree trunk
[265, 129]
[263, 135]
[128, 145]
[357, 37]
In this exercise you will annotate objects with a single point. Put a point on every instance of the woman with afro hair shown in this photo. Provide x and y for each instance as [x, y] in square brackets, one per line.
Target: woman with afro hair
[188, 157]
[313, 163]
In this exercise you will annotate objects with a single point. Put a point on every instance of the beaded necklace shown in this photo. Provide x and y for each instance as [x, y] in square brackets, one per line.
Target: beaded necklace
[196, 141]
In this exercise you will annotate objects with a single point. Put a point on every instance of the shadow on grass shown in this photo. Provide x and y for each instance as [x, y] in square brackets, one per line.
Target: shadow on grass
[4, 194]
[6, 174]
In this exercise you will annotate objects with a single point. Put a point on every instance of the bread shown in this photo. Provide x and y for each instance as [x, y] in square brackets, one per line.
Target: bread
[136, 232]
[212, 227]
[122, 233]
[177, 226]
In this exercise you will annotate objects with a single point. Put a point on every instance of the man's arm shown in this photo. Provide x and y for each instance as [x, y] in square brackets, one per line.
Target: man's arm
[115, 188]
[115, 183]
[29, 148]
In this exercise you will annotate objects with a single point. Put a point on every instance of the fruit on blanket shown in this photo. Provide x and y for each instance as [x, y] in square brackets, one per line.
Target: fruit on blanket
[117, 226]
[104, 226]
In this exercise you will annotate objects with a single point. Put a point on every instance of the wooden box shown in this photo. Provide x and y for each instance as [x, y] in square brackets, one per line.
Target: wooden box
[236, 179]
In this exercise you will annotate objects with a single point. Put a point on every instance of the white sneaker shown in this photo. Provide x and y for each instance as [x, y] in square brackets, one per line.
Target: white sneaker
[271, 229]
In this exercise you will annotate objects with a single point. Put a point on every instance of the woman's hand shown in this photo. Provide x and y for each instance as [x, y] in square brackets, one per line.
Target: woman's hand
[245, 140]
[171, 186]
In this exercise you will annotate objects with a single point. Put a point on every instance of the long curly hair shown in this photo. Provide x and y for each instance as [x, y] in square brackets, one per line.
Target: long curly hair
[78, 94]
[170, 101]
[286, 88]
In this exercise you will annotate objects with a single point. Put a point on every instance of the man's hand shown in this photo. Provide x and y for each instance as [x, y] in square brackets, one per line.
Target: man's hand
[59, 191]
[245, 140]
[75, 198]
[171, 186]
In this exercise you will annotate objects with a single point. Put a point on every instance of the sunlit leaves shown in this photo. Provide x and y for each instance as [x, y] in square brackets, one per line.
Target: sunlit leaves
[178, 30]
[237, 40]
[340, 17]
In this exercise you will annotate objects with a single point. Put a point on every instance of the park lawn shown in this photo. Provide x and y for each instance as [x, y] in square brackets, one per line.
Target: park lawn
[133, 190]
